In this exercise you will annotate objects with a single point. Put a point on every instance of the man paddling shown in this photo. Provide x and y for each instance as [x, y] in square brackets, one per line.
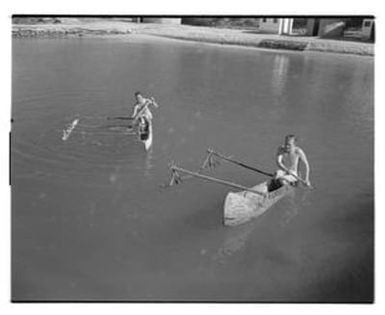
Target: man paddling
[141, 106]
[288, 158]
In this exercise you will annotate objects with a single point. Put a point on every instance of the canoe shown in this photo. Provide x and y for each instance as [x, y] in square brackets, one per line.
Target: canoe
[148, 141]
[241, 207]
[145, 136]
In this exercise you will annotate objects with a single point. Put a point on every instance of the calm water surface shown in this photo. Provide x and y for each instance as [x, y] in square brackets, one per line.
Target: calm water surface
[90, 220]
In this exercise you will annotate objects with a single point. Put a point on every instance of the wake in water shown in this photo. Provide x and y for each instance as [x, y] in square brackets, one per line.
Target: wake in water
[67, 132]
[97, 132]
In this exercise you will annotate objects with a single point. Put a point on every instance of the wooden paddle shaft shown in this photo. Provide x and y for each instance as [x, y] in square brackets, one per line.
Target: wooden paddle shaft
[255, 169]
[240, 163]
[141, 111]
[121, 118]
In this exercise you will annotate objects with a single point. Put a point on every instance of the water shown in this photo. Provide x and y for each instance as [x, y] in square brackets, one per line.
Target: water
[90, 220]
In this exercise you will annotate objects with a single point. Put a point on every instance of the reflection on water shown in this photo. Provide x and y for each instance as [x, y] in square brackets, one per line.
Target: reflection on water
[292, 208]
[234, 241]
[90, 222]
[295, 202]
[148, 163]
[279, 72]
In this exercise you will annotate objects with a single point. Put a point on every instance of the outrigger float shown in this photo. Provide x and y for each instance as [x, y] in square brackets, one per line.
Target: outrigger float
[244, 205]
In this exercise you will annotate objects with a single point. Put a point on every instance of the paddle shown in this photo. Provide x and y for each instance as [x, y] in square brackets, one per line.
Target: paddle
[210, 151]
[303, 182]
[145, 106]
[121, 118]
[135, 118]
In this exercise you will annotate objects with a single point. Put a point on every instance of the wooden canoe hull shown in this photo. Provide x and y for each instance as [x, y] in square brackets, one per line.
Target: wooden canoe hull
[148, 140]
[243, 206]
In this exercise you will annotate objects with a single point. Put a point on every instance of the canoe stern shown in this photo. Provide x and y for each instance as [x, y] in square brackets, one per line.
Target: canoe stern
[243, 206]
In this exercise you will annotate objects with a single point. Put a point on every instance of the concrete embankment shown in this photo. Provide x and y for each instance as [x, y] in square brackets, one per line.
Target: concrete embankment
[241, 37]
[252, 38]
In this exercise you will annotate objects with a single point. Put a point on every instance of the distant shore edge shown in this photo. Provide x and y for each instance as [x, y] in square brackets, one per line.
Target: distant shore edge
[195, 33]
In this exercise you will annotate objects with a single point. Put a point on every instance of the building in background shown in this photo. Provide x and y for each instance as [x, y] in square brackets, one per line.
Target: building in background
[367, 30]
[352, 28]
[269, 25]
[281, 26]
[327, 28]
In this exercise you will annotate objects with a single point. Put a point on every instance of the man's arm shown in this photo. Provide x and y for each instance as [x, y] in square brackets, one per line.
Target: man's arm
[135, 110]
[278, 159]
[152, 100]
[303, 158]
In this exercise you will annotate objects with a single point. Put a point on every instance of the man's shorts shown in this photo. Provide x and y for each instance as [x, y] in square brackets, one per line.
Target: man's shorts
[280, 174]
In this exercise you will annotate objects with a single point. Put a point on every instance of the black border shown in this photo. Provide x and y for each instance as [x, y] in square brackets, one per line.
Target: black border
[187, 16]
[369, 301]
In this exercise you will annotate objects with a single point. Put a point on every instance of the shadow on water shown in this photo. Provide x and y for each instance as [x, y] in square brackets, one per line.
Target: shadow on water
[206, 217]
[224, 244]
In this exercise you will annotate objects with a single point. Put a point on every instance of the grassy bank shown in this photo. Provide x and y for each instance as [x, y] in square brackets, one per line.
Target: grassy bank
[224, 36]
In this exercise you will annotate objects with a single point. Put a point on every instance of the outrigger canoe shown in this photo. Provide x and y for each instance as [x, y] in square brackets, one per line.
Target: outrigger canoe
[243, 206]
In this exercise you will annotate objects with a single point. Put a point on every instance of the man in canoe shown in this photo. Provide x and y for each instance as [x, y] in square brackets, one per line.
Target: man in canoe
[142, 105]
[288, 158]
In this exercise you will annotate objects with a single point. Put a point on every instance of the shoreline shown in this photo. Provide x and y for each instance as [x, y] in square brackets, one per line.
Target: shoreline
[212, 35]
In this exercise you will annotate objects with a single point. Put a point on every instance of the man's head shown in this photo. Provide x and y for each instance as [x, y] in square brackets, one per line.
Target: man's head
[139, 97]
[290, 141]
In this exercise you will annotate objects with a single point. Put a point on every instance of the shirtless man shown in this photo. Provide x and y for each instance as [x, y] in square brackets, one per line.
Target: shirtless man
[140, 103]
[288, 157]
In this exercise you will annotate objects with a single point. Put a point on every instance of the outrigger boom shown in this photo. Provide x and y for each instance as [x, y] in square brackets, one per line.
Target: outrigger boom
[215, 180]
